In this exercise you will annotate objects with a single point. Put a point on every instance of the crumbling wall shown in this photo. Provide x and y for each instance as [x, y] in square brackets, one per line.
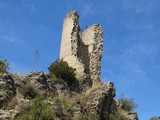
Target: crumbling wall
[93, 38]
[69, 43]
[82, 49]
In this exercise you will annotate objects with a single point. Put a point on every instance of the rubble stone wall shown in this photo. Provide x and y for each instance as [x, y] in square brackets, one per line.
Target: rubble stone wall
[93, 38]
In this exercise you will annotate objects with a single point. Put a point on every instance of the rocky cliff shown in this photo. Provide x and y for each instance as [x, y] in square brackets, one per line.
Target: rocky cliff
[96, 102]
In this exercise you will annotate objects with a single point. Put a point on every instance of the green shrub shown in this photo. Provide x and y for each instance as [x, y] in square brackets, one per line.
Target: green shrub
[57, 80]
[87, 117]
[127, 104]
[62, 70]
[154, 118]
[28, 91]
[64, 106]
[60, 101]
[64, 109]
[38, 109]
[4, 66]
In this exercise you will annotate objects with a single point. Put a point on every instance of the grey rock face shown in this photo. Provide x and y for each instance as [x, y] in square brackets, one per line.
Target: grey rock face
[100, 100]
[8, 115]
[7, 88]
[45, 85]
[38, 80]
[132, 116]
[97, 102]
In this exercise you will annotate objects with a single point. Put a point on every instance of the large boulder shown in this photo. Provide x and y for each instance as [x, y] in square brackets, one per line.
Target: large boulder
[7, 88]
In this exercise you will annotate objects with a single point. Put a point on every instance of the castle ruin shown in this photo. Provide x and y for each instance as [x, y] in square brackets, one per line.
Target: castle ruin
[82, 49]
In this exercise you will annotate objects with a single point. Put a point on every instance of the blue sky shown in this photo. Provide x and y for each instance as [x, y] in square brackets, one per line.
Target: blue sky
[131, 41]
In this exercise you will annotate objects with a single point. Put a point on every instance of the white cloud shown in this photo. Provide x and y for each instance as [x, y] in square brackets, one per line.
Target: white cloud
[30, 6]
[10, 37]
[7, 39]
[133, 25]
[134, 59]
[134, 67]
[86, 10]
[141, 6]
[140, 50]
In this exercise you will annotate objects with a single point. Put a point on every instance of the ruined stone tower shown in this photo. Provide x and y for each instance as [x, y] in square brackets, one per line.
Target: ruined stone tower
[82, 49]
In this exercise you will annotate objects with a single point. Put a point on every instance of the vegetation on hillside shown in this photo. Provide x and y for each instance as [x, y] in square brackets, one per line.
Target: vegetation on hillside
[126, 105]
[38, 109]
[28, 91]
[62, 70]
[4, 66]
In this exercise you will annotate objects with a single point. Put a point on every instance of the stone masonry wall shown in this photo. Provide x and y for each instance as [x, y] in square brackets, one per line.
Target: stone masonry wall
[82, 49]
[93, 38]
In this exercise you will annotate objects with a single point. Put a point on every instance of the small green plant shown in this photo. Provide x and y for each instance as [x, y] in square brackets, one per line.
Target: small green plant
[87, 117]
[4, 66]
[28, 91]
[64, 107]
[117, 115]
[83, 117]
[62, 70]
[57, 80]
[38, 109]
[60, 101]
[127, 104]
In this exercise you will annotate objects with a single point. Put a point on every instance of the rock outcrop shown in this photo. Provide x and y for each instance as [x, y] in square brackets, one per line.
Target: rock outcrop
[100, 100]
[82, 49]
[95, 101]
[45, 85]
[7, 88]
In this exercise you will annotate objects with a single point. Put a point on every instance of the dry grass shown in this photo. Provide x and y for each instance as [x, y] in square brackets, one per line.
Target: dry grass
[96, 85]
[11, 104]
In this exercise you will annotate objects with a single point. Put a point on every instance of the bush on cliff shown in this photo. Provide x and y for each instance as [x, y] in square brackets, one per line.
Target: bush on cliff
[4, 66]
[62, 70]
[28, 91]
[127, 104]
[38, 109]
[155, 118]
